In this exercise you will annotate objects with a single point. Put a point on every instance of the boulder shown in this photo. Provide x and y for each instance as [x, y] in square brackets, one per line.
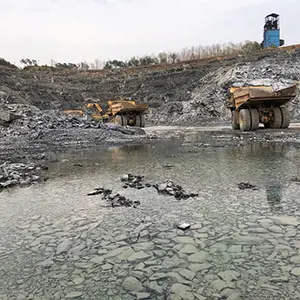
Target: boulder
[6, 117]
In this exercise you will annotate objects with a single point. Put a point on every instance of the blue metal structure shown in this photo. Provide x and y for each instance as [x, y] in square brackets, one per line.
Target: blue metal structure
[272, 32]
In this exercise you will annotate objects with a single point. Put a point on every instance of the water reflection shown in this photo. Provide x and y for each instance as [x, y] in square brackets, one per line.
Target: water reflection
[274, 195]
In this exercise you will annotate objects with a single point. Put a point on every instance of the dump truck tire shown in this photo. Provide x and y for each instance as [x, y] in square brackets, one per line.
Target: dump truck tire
[245, 120]
[285, 117]
[276, 119]
[142, 117]
[119, 120]
[235, 120]
[124, 121]
[138, 121]
[254, 119]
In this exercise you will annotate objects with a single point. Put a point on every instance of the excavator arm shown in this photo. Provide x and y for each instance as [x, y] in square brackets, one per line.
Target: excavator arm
[96, 105]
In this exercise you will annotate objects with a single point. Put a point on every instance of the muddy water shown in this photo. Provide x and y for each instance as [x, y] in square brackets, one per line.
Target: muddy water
[58, 243]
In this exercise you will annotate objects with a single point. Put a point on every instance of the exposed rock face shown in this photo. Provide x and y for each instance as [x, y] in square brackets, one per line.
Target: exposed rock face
[188, 94]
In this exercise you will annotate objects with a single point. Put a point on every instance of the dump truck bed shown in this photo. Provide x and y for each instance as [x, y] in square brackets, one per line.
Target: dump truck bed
[257, 96]
[127, 106]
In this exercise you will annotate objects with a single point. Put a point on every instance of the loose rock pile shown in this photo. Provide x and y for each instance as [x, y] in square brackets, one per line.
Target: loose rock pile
[136, 182]
[114, 200]
[19, 174]
[170, 188]
[167, 187]
[295, 179]
[20, 119]
[132, 181]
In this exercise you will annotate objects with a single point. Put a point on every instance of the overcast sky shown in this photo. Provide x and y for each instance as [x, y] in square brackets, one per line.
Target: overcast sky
[83, 30]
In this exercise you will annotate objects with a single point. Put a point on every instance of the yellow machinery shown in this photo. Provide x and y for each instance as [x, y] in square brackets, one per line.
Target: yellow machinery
[252, 105]
[123, 112]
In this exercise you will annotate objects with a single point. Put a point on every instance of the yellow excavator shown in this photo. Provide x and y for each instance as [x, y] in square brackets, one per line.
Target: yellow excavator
[123, 112]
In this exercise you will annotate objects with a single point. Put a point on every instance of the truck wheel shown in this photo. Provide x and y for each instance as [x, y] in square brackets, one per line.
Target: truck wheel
[124, 121]
[285, 117]
[118, 119]
[276, 119]
[245, 120]
[254, 118]
[235, 120]
[142, 118]
[138, 121]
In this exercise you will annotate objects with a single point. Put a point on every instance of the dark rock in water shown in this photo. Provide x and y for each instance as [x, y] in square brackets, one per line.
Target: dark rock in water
[118, 201]
[169, 188]
[43, 167]
[295, 179]
[184, 226]
[9, 183]
[168, 166]
[78, 165]
[114, 200]
[162, 187]
[132, 181]
[12, 174]
[99, 191]
[107, 192]
[35, 178]
[125, 177]
[137, 202]
[95, 192]
[246, 185]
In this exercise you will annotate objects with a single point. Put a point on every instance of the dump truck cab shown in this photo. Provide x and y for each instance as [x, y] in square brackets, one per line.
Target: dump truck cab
[252, 105]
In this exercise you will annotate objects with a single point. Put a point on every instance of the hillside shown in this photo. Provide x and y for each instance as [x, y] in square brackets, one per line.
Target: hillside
[185, 93]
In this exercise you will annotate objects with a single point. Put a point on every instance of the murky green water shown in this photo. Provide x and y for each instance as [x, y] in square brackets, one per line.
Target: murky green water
[58, 243]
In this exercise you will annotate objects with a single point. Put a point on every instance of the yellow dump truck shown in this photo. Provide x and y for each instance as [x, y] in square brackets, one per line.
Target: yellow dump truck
[123, 112]
[127, 112]
[252, 105]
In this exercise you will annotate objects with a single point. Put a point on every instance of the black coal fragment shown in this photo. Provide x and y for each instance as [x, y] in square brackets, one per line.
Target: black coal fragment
[246, 185]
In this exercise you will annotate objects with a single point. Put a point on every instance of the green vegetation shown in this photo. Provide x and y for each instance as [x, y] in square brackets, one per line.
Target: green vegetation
[6, 63]
[187, 54]
[29, 62]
